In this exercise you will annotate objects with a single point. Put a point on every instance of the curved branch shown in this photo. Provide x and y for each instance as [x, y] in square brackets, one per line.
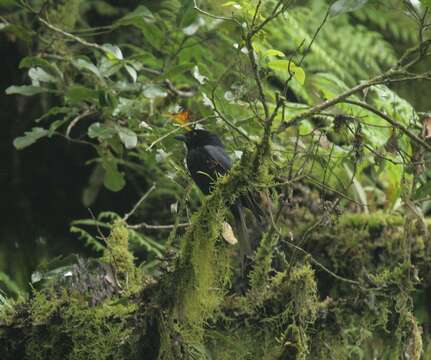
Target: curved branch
[391, 121]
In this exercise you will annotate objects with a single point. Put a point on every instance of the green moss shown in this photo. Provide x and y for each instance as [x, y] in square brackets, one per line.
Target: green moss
[64, 326]
[263, 262]
[64, 13]
[44, 306]
[118, 255]
[188, 314]
[204, 266]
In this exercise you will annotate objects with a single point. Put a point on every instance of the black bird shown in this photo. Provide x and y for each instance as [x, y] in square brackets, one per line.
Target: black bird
[206, 160]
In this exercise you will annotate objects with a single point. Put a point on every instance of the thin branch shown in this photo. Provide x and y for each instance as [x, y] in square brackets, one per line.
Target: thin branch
[313, 39]
[278, 9]
[323, 267]
[203, 12]
[178, 92]
[76, 119]
[325, 187]
[150, 190]
[391, 121]
[71, 36]
[175, 130]
[157, 227]
[331, 102]
[256, 12]
[255, 69]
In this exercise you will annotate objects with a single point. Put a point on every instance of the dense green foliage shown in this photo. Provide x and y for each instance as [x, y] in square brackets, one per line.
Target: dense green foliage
[323, 107]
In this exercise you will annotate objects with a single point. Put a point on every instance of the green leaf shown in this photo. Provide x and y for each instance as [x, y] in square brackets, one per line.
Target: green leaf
[290, 67]
[37, 75]
[233, 4]
[144, 20]
[55, 111]
[137, 16]
[101, 131]
[29, 138]
[202, 79]
[55, 125]
[132, 72]
[20, 32]
[127, 136]
[343, 6]
[153, 35]
[176, 70]
[83, 64]
[194, 27]
[274, 52]
[76, 94]
[114, 180]
[30, 61]
[154, 91]
[113, 52]
[26, 90]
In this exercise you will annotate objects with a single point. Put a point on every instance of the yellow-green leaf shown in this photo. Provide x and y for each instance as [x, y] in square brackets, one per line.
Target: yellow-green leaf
[274, 52]
[289, 66]
[232, 3]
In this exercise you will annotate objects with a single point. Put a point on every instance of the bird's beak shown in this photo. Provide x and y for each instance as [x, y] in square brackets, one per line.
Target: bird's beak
[180, 138]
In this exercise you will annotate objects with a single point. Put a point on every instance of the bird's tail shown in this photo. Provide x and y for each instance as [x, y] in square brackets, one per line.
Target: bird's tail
[250, 201]
[242, 234]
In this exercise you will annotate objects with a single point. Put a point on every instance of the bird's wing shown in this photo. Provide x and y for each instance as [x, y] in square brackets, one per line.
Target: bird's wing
[218, 160]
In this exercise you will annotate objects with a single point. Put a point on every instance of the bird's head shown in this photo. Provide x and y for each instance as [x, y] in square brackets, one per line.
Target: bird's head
[198, 138]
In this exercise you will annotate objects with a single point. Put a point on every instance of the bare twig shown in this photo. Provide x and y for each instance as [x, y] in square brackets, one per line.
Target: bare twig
[391, 121]
[71, 36]
[143, 197]
[197, 8]
[176, 130]
[313, 39]
[76, 119]
[256, 12]
[255, 69]
[157, 227]
[178, 92]
[331, 102]
[277, 10]
[323, 267]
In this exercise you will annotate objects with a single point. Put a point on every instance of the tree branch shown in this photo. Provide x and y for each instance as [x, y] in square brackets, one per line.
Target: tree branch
[391, 121]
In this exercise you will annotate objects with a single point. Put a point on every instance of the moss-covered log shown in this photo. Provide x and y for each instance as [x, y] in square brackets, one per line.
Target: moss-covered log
[349, 294]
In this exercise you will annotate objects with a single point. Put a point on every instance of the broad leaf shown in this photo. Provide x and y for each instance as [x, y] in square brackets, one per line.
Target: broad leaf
[132, 72]
[154, 91]
[114, 180]
[83, 64]
[136, 17]
[76, 94]
[274, 52]
[127, 137]
[176, 70]
[29, 138]
[26, 90]
[101, 131]
[289, 66]
[37, 75]
[113, 52]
